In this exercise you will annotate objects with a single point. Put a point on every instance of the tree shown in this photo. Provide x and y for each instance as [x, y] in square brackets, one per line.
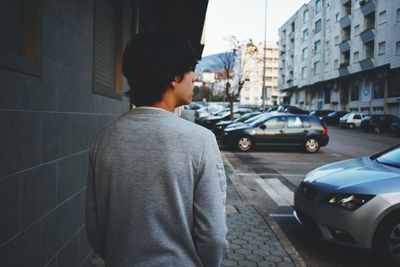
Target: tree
[227, 60]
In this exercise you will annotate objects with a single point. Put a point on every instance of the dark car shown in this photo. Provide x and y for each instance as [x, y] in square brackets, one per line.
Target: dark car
[209, 122]
[378, 123]
[278, 130]
[220, 126]
[333, 117]
[320, 113]
[293, 110]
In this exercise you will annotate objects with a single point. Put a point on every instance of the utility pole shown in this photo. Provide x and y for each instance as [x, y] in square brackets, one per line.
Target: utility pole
[264, 56]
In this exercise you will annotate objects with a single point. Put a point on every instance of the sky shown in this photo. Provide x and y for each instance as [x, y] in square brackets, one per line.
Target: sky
[245, 19]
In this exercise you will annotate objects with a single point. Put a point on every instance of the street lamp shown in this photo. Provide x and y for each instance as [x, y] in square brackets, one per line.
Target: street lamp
[264, 56]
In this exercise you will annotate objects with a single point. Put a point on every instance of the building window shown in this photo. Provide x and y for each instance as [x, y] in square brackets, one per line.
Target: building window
[107, 65]
[365, 110]
[304, 72]
[398, 15]
[382, 17]
[304, 53]
[337, 17]
[318, 6]
[356, 56]
[317, 46]
[306, 16]
[19, 31]
[355, 92]
[318, 26]
[336, 63]
[397, 48]
[305, 35]
[316, 68]
[381, 48]
[356, 30]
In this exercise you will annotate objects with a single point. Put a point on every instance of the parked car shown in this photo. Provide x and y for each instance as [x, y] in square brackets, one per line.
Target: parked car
[378, 123]
[278, 129]
[351, 120]
[333, 117]
[355, 202]
[210, 121]
[220, 126]
[202, 113]
[292, 110]
[320, 113]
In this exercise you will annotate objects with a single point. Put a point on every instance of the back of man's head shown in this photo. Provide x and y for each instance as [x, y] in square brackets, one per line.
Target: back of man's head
[152, 60]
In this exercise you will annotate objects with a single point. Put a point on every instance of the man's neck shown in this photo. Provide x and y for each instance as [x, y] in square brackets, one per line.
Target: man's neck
[167, 105]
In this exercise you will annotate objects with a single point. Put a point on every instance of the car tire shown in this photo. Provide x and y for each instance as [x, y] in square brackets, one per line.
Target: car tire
[244, 143]
[351, 126]
[311, 145]
[387, 240]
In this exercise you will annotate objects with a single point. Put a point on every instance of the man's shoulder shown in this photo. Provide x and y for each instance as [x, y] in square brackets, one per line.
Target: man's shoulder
[193, 128]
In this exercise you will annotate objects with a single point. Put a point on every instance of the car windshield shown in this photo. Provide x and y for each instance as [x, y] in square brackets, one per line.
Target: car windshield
[245, 117]
[259, 120]
[250, 120]
[391, 158]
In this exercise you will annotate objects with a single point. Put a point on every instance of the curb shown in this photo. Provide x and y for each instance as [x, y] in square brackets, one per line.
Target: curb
[286, 244]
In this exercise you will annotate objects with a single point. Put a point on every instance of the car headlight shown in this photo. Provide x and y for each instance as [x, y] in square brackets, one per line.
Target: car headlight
[219, 126]
[226, 133]
[348, 201]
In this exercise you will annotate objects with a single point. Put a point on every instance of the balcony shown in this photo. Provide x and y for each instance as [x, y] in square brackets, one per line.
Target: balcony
[367, 35]
[367, 7]
[346, 2]
[345, 22]
[290, 68]
[367, 64]
[291, 36]
[344, 69]
[344, 46]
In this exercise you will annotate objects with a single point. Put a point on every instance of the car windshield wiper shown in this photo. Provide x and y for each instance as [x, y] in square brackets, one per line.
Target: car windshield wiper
[387, 163]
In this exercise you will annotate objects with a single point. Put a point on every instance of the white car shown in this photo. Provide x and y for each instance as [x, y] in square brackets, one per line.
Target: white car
[355, 202]
[351, 120]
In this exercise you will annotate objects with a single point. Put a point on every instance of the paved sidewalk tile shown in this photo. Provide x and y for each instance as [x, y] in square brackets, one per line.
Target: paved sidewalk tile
[251, 240]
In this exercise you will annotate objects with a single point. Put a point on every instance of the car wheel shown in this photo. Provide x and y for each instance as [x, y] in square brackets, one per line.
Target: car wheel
[388, 240]
[311, 145]
[377, 130]
[351, 126]
[244, 143]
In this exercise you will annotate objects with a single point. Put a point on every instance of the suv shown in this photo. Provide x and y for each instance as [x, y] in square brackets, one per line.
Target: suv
[378, 123]
[351, 120]
[278, 129]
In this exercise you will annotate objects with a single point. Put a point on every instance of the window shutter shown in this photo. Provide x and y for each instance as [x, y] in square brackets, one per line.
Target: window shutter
[106, 48]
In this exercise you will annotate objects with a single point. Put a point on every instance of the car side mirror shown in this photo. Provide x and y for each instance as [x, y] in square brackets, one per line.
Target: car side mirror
[263, 127]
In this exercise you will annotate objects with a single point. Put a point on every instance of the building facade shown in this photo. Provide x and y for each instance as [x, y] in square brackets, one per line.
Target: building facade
[342, 55]
[248, 68]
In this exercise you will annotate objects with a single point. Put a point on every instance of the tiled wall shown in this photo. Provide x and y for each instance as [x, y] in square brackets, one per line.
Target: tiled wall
[47, 124]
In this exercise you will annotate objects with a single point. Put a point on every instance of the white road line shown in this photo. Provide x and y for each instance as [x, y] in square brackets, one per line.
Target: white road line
[281, 195]
[269, 174]
[280, 215]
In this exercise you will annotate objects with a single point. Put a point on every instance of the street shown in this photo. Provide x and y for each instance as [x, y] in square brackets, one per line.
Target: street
[285, 168]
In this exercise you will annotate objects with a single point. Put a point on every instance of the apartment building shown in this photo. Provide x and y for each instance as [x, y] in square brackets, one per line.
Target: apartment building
[342, 55]
[249, 66]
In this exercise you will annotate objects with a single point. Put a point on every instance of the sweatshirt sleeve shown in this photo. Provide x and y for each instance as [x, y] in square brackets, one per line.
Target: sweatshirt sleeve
[92, 227]
[209, 206]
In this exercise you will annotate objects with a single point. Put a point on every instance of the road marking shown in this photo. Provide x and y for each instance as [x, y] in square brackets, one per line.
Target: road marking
[269, 174]
[279, 193]
[280, 215]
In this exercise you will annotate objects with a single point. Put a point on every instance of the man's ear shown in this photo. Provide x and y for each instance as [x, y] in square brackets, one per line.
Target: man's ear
[174, 81]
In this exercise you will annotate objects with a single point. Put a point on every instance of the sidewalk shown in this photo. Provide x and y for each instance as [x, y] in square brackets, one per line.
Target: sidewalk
[252, 240]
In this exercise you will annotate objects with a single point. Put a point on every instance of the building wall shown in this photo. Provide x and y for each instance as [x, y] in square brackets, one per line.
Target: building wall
[47, 125]
[250, 66]
[339, 75]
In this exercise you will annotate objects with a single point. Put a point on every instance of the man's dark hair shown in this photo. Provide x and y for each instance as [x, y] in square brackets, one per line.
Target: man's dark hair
[152, 60]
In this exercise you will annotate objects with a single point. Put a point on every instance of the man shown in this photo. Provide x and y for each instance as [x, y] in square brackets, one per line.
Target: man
[156, 187]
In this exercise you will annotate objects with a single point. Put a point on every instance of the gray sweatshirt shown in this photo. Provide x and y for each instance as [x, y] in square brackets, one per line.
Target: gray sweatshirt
[156, 193]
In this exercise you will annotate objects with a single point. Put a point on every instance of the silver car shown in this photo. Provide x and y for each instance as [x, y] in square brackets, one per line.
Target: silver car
[355, 202]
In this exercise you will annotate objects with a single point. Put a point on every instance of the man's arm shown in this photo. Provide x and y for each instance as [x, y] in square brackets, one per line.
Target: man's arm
[91, 210]
[209, 207]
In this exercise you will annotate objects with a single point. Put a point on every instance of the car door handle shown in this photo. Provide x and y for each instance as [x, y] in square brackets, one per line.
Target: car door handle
[281, 131]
